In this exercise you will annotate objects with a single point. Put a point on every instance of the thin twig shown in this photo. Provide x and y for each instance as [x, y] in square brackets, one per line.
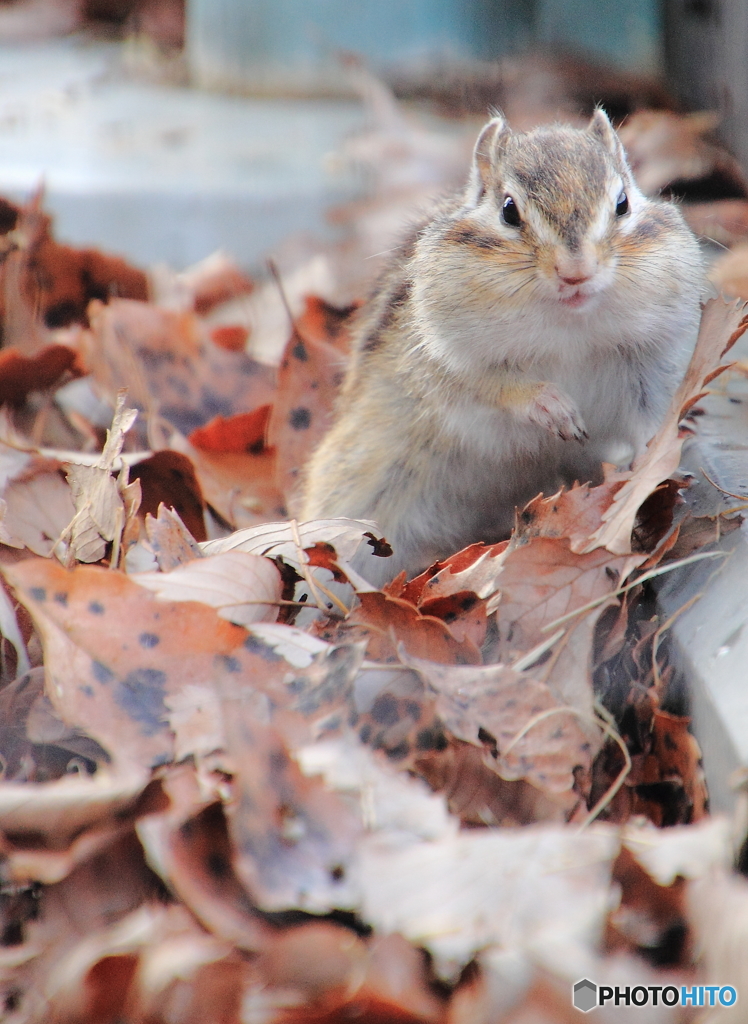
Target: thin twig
[529, 659]
[273, 268]
[629, 586]
[602, 722]
[315, 586]
[740, 497]
[609, 729]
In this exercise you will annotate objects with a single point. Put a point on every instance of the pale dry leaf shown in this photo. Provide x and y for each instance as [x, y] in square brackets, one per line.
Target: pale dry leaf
[37, 501]
[722, 324]
[265, 313]
[717, 906]
[201, 286]
[243, 588]
[61, 809]
[170, 540]
[277, 539]
[24, 865]
[194, 716]
[541, 890]
[390, 801]
[294, 839]
[131, 494]
[294, 645]
[100, 512]
[685, 851]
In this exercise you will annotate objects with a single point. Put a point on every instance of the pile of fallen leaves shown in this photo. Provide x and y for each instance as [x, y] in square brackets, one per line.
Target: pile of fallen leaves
[241, 785]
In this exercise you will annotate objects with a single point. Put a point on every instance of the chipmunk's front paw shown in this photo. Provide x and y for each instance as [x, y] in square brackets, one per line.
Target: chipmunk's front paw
[552, 409]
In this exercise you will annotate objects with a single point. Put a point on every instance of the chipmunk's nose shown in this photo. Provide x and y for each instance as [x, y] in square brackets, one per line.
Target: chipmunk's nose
[573, 280]
[575, 268]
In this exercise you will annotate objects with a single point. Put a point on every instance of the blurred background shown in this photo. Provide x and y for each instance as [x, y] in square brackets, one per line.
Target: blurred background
[163, 130]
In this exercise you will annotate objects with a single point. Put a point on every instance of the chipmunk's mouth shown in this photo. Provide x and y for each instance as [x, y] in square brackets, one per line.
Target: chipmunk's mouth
[574, 300]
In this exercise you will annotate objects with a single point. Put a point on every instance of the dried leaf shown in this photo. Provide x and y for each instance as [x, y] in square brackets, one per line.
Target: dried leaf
[243, 433]
[169, 477]
[170, 366]
[239, 486]
[171, 541]
[99, 509]
[242, 588]
[114, 653]
[276, 540]
[540, 890]
[309, 378]
[21, 374]
[388, 621]
[38, 503]
[515, 718]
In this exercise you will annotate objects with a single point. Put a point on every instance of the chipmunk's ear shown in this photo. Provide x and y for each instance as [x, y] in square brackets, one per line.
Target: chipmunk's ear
[489, 147]
[601, 128]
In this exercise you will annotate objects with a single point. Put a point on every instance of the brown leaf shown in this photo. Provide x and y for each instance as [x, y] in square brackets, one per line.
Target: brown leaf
[309, 378]
[53, 281]
[539, 582]
[114, 653]
[188, 845]
[243, 433]
[664, 147]
[478, 796]
[669, 778]
[729, 272]
[240, 487]
[492, 706]
[170, 365]
[21, 374]
[321, 321]
[231, 337]
[575, 513]
[388, 622]
[169, 478]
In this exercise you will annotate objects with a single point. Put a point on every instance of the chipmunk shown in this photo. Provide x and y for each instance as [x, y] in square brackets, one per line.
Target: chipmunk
[533, 327]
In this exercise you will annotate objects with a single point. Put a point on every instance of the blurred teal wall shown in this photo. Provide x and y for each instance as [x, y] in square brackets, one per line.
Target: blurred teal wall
[277, 45]
[627, 33]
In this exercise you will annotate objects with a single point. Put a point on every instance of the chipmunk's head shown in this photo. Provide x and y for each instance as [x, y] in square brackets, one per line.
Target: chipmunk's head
[556, 207]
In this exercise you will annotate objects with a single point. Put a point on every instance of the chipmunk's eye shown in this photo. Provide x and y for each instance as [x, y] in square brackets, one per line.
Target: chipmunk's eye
[510, 213]
[622, 205]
